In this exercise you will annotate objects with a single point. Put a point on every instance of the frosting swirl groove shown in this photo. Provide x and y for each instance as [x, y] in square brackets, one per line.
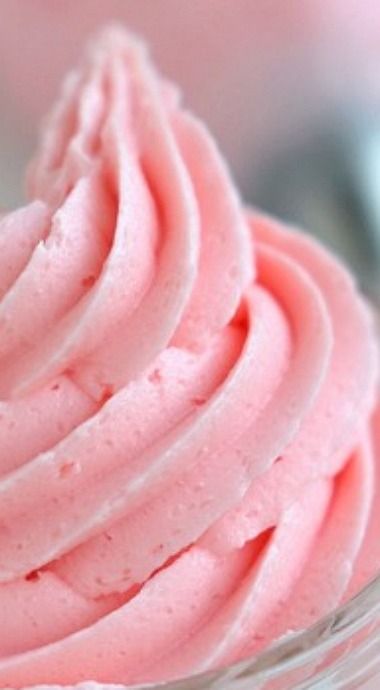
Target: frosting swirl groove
[186, 460]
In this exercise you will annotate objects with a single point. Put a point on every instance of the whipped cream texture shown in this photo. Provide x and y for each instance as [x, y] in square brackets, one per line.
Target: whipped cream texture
[187, 469]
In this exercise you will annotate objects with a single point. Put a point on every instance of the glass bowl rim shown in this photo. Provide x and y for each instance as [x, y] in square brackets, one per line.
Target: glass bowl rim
[291, 650]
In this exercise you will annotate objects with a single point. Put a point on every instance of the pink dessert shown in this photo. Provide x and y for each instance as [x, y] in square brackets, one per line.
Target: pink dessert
[188, 388]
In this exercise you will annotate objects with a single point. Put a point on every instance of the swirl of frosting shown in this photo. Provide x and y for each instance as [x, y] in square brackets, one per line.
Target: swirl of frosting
[186, 393]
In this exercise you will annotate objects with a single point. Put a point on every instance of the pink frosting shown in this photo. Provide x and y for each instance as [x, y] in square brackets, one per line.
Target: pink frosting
[186, 455]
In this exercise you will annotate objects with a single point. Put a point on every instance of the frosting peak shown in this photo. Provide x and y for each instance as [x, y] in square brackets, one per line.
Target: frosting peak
[186, 391]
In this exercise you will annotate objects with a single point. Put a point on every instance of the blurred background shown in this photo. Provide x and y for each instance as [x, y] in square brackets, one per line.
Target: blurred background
[290, 89]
